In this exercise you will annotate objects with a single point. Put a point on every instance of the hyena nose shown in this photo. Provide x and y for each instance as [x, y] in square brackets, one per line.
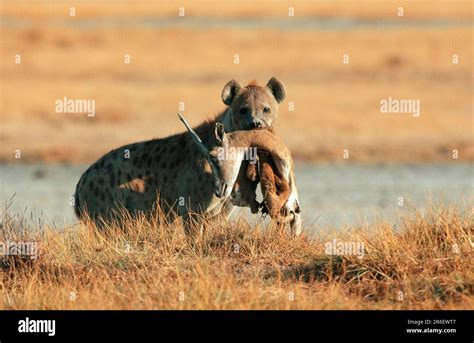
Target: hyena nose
[257, 124]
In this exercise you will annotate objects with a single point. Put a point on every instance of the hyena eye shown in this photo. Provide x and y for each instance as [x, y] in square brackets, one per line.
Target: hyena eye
[243, 110]
[266, 109]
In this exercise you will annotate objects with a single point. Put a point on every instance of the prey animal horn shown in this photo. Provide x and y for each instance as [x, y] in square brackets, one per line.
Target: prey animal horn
[193, 133]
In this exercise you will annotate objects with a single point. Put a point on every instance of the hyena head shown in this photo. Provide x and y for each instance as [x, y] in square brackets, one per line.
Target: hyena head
[252, 106]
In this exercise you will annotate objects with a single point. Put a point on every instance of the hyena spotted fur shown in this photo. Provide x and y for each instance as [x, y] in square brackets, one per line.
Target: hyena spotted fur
[172, 172]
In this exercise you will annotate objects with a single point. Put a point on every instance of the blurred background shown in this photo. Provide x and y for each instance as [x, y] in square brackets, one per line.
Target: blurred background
[184, 52]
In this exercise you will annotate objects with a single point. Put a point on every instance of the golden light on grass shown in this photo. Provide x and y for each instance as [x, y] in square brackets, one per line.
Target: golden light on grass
[424, 264]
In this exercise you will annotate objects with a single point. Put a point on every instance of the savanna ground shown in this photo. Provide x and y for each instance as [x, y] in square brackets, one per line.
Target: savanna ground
[424, 263]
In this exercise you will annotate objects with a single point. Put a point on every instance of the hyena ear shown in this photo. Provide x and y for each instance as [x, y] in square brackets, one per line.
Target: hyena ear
[230, 91]
[219, 132]
[277, 88]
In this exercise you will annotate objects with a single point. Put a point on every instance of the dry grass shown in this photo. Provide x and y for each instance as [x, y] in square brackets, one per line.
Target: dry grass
[235, 266]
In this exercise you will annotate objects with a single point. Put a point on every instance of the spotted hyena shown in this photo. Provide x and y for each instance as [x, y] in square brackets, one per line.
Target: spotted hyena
[173, 172]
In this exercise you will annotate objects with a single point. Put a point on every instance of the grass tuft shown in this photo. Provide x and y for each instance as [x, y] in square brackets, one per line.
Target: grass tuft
[149, 264]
